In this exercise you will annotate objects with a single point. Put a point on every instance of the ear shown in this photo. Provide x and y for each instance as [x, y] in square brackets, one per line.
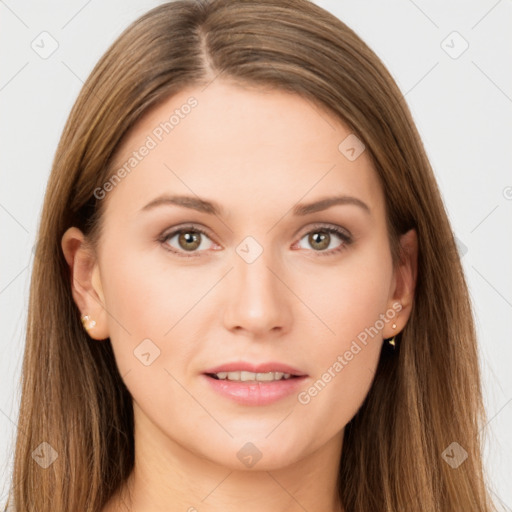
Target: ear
[86, 285]
[404, 284]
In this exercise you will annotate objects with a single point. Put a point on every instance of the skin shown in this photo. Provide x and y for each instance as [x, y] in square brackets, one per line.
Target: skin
[257, 153]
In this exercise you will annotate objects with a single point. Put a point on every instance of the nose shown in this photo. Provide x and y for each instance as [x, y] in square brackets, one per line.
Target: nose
[259, 300]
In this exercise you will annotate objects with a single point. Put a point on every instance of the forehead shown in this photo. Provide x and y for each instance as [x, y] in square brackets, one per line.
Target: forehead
[256, 147]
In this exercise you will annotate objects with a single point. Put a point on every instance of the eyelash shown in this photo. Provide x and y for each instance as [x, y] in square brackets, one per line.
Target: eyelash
[346, 238]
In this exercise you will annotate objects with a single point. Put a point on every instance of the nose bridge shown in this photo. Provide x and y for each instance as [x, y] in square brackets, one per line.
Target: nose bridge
[256, 299]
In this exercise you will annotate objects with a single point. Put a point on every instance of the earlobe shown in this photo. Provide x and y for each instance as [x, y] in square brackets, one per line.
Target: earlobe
[86, 285]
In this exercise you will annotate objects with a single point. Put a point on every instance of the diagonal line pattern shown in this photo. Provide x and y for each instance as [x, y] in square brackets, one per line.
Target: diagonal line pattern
[82, 81]
[485, 15]
[108, 313]
[13, 218]
[13, 279]
[502, 503]
[166, 166]
[76, 14]
[198, 301]
[12, 421]
[199, 403]
[492, 286]
[280, 423]
[492, 211]
[421, 79]
[492, 81]
[223, 480]
[424, 14]
[301, 300]
[487, 424]
[14, 76]
[310, 189]
[13, 13]
[287, 492]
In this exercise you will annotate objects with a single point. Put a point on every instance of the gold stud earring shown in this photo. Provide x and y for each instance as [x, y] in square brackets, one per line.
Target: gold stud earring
[391, 341]
[87, 322]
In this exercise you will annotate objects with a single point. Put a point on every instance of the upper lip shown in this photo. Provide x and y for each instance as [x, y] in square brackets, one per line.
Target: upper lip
[256, 368]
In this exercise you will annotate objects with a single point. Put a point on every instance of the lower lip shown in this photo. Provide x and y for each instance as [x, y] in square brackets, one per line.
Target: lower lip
[255, 393]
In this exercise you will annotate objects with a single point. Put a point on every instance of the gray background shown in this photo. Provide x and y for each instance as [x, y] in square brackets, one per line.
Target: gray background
[461, 102]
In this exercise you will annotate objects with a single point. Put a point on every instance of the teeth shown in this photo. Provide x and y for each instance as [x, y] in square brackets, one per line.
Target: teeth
[244, 376]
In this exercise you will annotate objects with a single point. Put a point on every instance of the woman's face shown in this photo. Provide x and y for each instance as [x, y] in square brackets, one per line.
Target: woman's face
[222, 250]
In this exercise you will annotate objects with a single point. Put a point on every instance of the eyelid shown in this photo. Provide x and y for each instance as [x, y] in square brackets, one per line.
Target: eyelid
[325, 225]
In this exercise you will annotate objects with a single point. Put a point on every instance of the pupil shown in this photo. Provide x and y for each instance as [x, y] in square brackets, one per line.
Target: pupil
[320, 238]
[189, 238]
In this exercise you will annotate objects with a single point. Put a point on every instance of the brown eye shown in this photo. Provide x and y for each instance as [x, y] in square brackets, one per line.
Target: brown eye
[189, 240]
[319, 240]
[323, 240]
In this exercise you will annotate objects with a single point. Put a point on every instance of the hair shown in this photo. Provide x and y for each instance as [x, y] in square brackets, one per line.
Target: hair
[424, 397]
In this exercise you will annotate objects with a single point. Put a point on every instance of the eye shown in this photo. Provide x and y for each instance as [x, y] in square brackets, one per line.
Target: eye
[188, 239]
[193, 240]
[321, 239]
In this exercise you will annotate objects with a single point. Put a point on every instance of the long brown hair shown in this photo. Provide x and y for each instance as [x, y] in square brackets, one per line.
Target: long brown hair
[424, 397]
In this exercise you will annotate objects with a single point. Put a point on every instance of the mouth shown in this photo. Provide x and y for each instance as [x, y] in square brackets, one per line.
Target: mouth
[250, 384]
[246, 376]
[242, 371]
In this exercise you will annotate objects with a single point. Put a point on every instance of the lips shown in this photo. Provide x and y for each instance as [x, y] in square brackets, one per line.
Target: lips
[256, 368]
[251, 392]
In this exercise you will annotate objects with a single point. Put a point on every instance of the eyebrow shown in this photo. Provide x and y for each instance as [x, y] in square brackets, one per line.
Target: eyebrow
[194, 203]
[213, 208]
[327, 202]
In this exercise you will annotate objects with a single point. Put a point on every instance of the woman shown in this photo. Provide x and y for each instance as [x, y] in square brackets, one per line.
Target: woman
[246, 289]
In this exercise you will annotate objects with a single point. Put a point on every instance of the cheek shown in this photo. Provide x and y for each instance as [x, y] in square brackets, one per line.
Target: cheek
[148, 307]
[148, 292]
[353, 307]
[354, 295]
[147, 322]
